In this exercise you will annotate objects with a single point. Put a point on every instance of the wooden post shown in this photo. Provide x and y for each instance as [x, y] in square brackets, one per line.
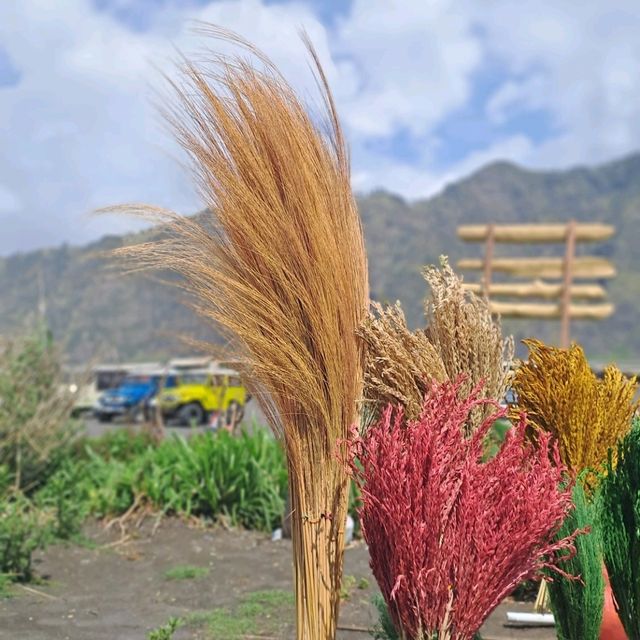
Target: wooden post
[567, 277]
[488, 260]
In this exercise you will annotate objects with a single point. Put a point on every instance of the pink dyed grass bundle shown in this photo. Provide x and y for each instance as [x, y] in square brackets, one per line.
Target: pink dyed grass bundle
[450, 535]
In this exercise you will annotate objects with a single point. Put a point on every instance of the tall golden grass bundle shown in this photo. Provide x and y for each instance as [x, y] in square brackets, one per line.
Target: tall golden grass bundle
[461, 338]
[282, 269]
[562, 395]
[467, 338]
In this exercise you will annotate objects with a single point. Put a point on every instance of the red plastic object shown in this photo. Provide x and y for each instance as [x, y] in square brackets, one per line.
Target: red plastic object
[611, 628]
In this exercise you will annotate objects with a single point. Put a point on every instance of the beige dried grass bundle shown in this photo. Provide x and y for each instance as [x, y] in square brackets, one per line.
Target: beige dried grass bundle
[400, 363]
[467, 338]
[461, 338]
[282, 270]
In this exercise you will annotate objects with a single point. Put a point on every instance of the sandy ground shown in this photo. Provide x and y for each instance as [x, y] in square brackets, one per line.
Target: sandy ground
[120, 592]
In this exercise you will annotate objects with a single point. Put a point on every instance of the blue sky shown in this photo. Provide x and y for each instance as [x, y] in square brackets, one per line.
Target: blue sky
[428, 91]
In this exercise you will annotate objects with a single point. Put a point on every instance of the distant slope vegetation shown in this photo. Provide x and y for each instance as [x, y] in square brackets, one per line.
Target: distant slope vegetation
[98, 313]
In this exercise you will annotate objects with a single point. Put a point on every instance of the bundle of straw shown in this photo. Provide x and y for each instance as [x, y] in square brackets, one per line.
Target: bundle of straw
[461, 337]
[467, 337]
[450, 534]
[282, 270]
[560, 394]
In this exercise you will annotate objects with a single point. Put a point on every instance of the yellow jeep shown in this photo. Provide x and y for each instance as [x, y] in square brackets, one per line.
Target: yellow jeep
[201, 392]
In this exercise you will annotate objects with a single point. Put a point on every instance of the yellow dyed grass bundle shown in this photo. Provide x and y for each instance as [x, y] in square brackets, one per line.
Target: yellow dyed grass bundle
[562, 395]
[280, 266]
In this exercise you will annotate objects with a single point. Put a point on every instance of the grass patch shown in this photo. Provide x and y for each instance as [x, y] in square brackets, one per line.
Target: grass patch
[166, 631]
[5, 586]
[185, 572]
[258, 613]
[350, 584]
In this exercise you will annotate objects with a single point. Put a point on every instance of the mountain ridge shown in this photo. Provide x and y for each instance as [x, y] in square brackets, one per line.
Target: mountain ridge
[98, 313]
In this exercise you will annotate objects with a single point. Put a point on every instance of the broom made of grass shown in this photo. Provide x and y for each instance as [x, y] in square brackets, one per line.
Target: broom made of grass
[280, 267]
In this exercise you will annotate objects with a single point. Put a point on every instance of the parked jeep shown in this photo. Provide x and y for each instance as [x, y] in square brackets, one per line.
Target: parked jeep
[199, 393]
[131, 397]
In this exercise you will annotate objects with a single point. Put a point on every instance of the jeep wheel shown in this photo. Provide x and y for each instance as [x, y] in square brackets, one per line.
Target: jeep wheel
[191, 413]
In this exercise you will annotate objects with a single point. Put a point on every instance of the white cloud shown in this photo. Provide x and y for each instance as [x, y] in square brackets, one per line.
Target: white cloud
[9, 201]
[415, 181]
[79, 129]
[579, 63]
[408, 65]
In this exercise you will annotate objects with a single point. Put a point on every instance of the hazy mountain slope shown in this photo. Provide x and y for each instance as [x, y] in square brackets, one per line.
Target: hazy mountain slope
[98, 312]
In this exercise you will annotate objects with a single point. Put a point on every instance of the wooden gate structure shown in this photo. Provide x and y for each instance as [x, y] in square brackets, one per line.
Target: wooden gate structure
[551, 279]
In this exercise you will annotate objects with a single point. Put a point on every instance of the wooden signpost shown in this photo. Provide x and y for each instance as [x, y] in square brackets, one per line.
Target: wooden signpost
[560, 296]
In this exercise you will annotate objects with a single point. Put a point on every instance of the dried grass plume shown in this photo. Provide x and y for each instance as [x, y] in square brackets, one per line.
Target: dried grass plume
[400, 363]
[461, 337]
[281, 268]
[561, 395]
[468, 339]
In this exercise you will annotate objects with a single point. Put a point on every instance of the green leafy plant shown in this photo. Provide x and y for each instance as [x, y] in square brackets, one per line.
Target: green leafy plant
[619, 518]
[185, 572]
[240, 479]
[63, 496]
[119, 444]
[577, 603]
[384, 629]
[23, 529]
[35, 424]
[166, 631]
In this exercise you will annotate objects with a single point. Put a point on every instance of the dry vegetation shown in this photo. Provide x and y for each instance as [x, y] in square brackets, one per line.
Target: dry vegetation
[283, 273]
[461, 337]
[561, 394]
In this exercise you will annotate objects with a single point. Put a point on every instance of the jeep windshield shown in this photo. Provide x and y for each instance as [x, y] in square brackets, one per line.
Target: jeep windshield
[194, 378]
[148, 381]
[137, 381]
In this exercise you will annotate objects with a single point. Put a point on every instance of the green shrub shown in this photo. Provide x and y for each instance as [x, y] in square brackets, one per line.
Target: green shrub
[242, 479]
[211, 475]
[35, 425]
[119, 444]
[23, 529]
[65, 496]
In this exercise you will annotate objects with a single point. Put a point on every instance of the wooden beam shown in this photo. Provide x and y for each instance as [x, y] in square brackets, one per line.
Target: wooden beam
[539, 289]
[567, 280]
[534, 233]
[488, 260]
[583, 267]
[551, 311]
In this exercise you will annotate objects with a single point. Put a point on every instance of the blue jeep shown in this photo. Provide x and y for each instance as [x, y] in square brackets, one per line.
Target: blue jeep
[132, 396]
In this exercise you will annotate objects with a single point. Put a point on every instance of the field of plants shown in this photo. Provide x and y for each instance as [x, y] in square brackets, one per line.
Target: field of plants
[147, 534]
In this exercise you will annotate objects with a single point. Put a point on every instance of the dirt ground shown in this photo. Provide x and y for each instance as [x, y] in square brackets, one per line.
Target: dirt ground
[105, 590]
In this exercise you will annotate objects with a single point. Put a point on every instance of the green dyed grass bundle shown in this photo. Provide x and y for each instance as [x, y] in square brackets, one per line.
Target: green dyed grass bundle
[619, 517]
[577, 604]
